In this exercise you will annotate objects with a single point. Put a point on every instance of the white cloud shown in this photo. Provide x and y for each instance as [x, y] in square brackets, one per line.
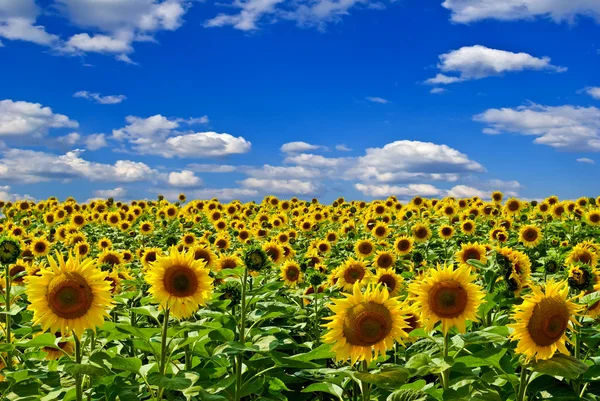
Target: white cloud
[30, 166]
[185, 178]
[95, 141]
[384, 190]
[211, 168]
[251, 11]
[17, 22]
[282, 173]
[593, 91]
[295, 147]
[19, 118]
[109, 99]
[566, 127]
[117, 193]
[203, 144]
[342, 148]
[98, 43]
[69, 139]
[377, 100]
[476, 62]
[585, 160]
[437, 91]
[465, 11]
[198, 120]
[6, 196]
[311, 160]
[463, 191]
[281, 186]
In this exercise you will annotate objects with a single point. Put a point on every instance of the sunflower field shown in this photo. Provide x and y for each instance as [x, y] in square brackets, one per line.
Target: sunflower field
[431, 299]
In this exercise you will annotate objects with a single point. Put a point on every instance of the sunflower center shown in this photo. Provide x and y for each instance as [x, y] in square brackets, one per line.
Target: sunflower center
[384, 261]
[548, 321]
[412, 321]
[513, 206]
[380, 231]
[180, 281]
[228, 264]
[365, 248]
[69, 296]
[530, 235]
[446, 231]
[273, 253]
[471, 254]
[421, 232]
[403, 245]
[367, 324]
[595, 218]
[40, 247]
[354, 273]
[448, 299]
[292, 273]
[389, 281]
[583, 257]
[110, 259]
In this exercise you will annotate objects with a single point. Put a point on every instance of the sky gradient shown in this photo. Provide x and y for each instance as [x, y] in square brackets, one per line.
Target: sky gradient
[360, 99]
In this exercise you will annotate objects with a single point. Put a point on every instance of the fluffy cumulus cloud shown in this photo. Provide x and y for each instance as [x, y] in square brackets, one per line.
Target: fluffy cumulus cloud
[476, 62]
[19, 118]
[95, 141]
[98, 98]
[465, 11]
[30, 166]
[18, 22]
[7, 196]
[464, 191]
[117, 193]
[568, 128]
[184, 178]
[158, 135]
[593, 91]
[586, 160]
[383, 191]
[295, 147]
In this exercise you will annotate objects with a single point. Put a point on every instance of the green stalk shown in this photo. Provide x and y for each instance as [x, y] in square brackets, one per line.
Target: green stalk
[446, 373]
[78, 376]
[8, 317]
[366, 387]
[163, 351]
[317, 336]
[522, 384]
[188, 356]
[242, 335]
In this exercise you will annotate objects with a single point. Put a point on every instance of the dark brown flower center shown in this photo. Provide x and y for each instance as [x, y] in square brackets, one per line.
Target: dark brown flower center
[180, 281]
[389, 281]
[530, 234]
[384, 260]
[367, 324]
[471, 253]
[69, 296]
[448, 299]
[548, 321]
[403, 245]
[292, 273]
[365, 248]
[354, 273]
[421, 232]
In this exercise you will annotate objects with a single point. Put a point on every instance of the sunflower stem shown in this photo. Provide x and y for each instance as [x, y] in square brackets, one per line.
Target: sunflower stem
[188, 356]
[317, 336]
[242, 335]
[446, 373]
[8, 317]
[163, 351]
[366, 387]
[522, 384]
[78, 376]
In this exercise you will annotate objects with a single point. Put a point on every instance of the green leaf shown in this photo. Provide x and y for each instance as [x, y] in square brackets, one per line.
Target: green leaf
[389, 378]
[487, 357]
[170, 383]
[560, 365]
[44, 340]
[321, 352]
[148, 310]
[407, 395]
[328, 388]
[276, 385]
[129, 364]
[90, 370]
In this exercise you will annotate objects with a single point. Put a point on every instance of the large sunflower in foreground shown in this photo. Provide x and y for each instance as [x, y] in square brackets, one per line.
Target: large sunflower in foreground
[69, 295]
[447, 295]
[179, 282]
[364, 324]
[542, 321]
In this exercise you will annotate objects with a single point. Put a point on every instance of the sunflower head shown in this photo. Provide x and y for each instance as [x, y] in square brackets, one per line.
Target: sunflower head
[291, 274]
[471, 251]
[391, 280]
[581, 277]
[364, 248]
[403, 245]
[231, 290]
[350, 272]
[530, 236]
[542, 320]
[10, 250]
[421, 232]
[384, 260]
[448, 295]
[256, 259]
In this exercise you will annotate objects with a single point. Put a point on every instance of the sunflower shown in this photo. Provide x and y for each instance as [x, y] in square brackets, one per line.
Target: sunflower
[513, 206]
[70, 295]
[364, 248]
[380, 231]
[17, 268]
[447, 295]
[82, 248]
[188, 239]
[109, 257]
[583, 253]
[468, 227]
[104, 243]
[446, 231]
[593, 217]
[581, 277]
[65, 345]
[309, 291]
[403, 245]
[40, 247]
[542, 320]
[390, 279]
[150, 255]
[222, 242]
[179, 283]
[291, 274]
[365, 325]
[421, 232]
[530, 236]
[497, 196]
[146, 227]
[274, 251]
[115, 282]
[470, 251]
[350, 272]
[515, 267]
[384, 259]
[205, 253]
[227, 262]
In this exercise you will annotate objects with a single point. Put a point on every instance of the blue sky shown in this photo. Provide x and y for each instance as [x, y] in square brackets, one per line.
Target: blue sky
[130, 98]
